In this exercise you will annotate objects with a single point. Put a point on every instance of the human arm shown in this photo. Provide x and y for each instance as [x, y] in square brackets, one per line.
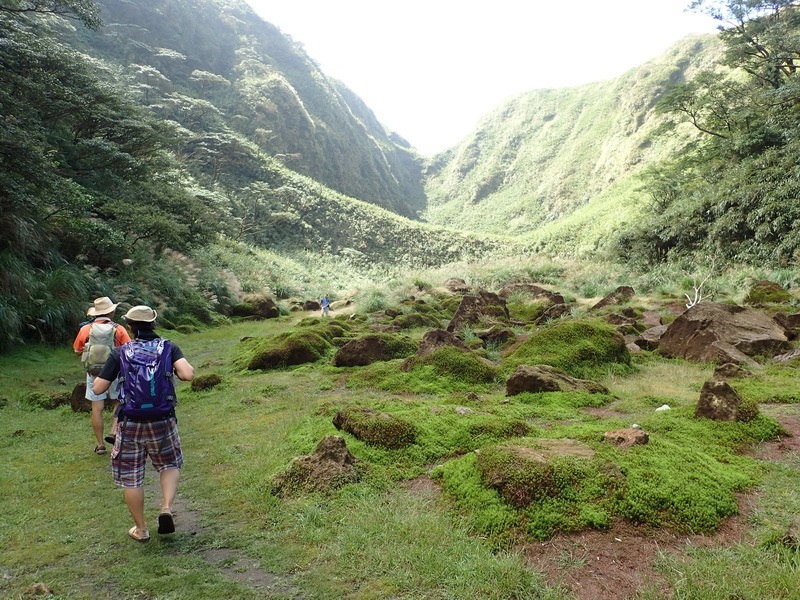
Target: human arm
[100, 385]
[183, 369]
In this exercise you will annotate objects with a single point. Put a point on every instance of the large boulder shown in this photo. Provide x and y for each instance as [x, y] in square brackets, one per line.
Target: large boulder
[790, 323]
[544, 378]
[650, 339]
[475, 308]
[720, 402]
[456, 285]
[554, 312]
[78, 399]
[256, 306]
[532, 290]
[702, 333]
[625, 438]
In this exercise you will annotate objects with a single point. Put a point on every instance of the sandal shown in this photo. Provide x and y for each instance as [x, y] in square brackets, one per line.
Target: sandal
[139, 537]
[110, 439]
[166, 524]
[99, 449]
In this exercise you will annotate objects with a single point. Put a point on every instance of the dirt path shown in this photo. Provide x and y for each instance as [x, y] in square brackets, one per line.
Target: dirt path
[230, 562]
[615, 564]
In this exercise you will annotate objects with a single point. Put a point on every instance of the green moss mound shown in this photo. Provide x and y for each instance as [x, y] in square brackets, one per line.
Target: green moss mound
[527, 311]
[767, 292]
[206, 382]
[586, 349]
[292, 348]
[452, 362]
[375, 428]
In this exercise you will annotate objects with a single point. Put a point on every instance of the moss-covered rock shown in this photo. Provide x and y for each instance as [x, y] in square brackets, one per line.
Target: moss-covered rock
[374, 428]
[523, 475]
[48, 401]
[411, 320]
[206, 382]
[256, 306]
[767, 292]
[292, 348]
[451, 361]
[374, 347]
[583, 348]
[328, 468]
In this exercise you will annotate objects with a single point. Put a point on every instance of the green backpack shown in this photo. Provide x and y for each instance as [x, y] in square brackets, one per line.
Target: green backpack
[98, 347]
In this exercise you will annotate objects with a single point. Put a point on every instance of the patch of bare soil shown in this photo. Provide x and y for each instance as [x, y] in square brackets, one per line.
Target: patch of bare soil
[615, 564]
[788, 415]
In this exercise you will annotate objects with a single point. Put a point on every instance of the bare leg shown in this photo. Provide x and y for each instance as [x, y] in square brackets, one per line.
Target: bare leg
[97, 420]
[134, 498]
[169, 487]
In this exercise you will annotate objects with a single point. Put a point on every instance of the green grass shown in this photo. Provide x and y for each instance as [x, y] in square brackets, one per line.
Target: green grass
[63, 523]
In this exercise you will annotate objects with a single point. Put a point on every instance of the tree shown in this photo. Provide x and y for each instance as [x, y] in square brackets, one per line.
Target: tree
[85, 11]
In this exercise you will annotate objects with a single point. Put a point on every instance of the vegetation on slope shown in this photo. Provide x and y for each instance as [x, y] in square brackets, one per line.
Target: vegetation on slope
[547, 153]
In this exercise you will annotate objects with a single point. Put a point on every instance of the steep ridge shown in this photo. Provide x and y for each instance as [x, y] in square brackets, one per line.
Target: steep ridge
[216, 66]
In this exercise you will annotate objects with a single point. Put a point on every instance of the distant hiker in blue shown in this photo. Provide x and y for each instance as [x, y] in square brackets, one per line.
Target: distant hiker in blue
[325, 303]
[147, 422]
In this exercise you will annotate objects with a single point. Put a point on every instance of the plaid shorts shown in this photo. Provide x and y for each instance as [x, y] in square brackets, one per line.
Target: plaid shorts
[136, 441]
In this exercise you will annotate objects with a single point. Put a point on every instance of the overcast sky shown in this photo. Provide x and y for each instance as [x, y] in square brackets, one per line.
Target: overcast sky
[430, 69]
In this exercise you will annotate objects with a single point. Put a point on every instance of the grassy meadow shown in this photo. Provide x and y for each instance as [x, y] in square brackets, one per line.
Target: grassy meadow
[422, 521]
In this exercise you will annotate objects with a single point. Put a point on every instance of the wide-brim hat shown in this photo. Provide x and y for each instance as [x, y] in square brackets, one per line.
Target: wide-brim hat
[102, 306]
[141, 313]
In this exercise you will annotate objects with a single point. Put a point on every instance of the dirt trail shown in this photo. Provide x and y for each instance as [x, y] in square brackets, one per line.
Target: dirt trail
[230, 562]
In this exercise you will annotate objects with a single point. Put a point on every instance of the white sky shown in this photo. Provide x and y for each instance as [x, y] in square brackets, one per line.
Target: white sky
[430, 69]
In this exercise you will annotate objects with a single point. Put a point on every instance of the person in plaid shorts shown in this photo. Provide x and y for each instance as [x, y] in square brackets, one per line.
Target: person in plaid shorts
[136, 440]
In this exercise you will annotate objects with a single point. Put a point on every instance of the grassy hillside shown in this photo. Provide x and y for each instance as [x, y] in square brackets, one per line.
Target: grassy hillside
[548, 153]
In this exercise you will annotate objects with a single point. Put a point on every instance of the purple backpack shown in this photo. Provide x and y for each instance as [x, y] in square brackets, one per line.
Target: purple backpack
[147, 392]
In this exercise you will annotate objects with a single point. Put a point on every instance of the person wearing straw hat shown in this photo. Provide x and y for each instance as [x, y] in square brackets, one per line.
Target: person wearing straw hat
[146, 428]
[100, 327]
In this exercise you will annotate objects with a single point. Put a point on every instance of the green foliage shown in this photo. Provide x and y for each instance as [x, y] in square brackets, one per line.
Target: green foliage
[586, 349]
[776, 383]
[729, 195]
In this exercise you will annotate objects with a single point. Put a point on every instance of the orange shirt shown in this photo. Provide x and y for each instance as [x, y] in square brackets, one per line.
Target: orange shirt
[120, 335]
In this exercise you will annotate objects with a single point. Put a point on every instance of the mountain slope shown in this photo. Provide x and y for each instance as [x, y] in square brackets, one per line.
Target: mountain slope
[548, 153]
[213, 65]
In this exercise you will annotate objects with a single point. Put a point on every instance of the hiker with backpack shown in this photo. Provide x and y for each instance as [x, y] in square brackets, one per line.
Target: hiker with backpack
[147, 423]
[94, 343]
[325, 304]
